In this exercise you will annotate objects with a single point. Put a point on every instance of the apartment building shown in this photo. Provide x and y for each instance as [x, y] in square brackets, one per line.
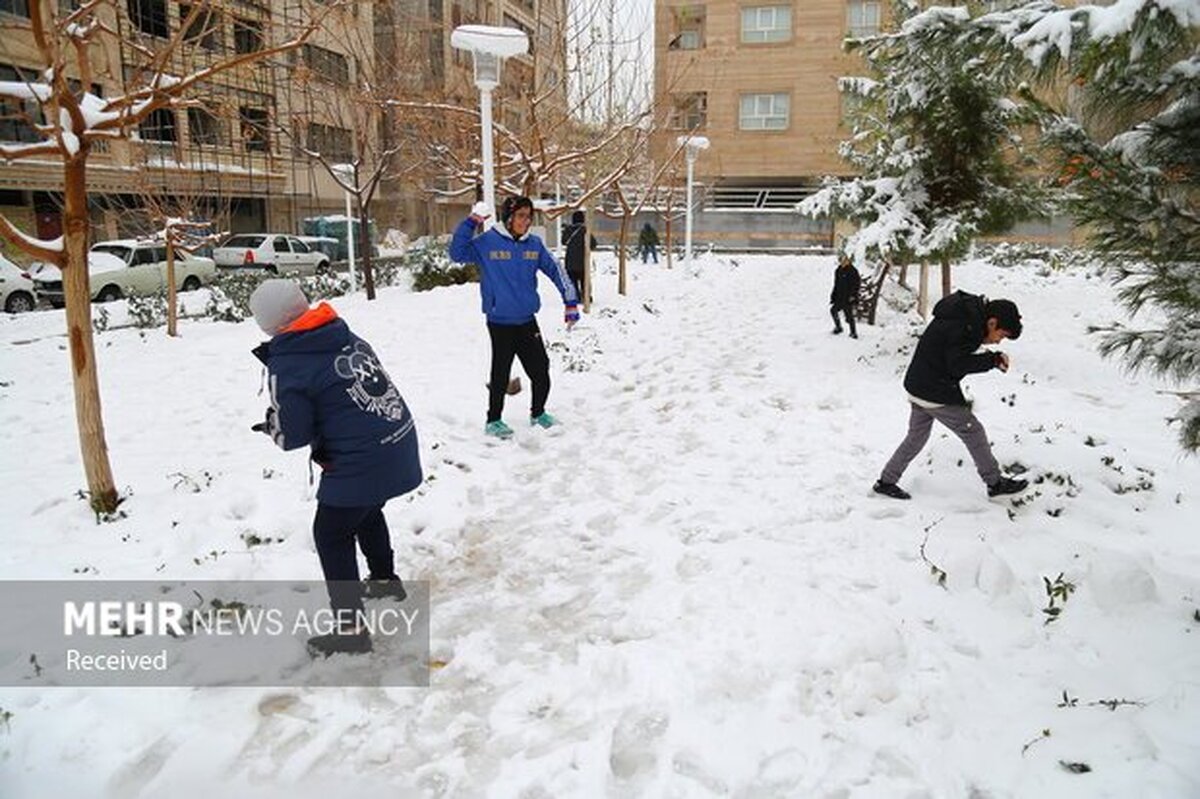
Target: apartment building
[235, 154]
[758, 78]
[417, 32]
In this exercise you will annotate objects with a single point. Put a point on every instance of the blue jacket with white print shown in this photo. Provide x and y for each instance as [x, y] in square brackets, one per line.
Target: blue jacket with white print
[508, 271]
[329, 392]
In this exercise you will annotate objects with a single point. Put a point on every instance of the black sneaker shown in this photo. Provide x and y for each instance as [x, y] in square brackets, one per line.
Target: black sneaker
[891, 490]
[837, 331]
[1006, 485]
[384, 588]
[334, 643]
[853, 335]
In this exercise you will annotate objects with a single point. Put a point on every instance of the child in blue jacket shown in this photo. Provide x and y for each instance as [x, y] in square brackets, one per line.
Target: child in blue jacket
[329, 392]
[509, 258]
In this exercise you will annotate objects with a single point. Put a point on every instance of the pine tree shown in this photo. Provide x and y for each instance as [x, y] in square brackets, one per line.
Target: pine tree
[936, 143]
[1127, 142]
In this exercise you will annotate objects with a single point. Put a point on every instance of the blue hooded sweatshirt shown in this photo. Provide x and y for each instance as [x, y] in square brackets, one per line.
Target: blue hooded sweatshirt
[329, 391]
[508, 271]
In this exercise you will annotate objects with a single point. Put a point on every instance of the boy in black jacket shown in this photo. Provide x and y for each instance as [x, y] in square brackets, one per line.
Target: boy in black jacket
[846, 281]
[945, 354]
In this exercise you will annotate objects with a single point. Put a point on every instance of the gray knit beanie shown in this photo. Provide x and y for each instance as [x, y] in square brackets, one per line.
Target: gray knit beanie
[276, 304]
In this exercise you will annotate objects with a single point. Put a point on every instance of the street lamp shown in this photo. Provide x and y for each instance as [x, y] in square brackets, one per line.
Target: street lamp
[489, 45]
[346, 173]
[692, 146]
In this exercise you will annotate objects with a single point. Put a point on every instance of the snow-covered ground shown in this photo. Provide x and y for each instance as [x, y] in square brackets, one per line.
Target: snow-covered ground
[687, 591]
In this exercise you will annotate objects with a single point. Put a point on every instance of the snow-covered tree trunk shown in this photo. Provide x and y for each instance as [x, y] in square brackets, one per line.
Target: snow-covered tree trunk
[923, 291]
[172, 295]
[77, 296]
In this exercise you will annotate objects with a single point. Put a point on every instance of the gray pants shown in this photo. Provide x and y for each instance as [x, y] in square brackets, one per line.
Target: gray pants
[961, 422]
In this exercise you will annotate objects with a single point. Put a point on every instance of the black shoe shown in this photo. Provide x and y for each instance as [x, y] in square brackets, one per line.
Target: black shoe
[837, 331]
[853, 335]
[1006, 485]
[384, 588]
[891, 490]
[334, 643]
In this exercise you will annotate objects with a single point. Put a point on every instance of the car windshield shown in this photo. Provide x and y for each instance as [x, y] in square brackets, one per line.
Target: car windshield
[118, 250]
[244, 241]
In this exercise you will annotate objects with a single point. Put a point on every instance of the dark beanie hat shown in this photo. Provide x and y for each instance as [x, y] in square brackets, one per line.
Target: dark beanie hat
[1006, 315]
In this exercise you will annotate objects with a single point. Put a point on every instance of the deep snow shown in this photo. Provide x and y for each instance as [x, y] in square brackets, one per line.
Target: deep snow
[687, 590]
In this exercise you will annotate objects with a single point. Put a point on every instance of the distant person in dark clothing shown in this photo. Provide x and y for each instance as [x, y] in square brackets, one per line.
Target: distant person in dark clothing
[844, 296]
[574, 235]
[648, 243]
[329, 392]
[945, 355]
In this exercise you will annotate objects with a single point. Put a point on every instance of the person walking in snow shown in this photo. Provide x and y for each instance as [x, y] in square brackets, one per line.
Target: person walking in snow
[574, 235]
[330, 393]
[648, 242]
[945, 354]
[844, 296]
[509, 258]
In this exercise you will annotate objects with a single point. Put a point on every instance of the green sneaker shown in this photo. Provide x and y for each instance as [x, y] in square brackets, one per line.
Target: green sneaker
[545, 420]
[498, 429]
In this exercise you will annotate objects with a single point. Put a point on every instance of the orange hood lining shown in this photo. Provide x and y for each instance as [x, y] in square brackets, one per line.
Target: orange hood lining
[311, 319]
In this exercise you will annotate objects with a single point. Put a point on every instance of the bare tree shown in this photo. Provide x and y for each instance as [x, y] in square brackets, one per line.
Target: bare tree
[72, 120]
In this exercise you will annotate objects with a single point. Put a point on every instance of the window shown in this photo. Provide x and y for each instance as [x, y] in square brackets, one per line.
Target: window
[298, 246]
[250, 242]
[766, 24]
[149, 16]
[148, 255]
[158, 126]
[334, 144]
[689, 111]
[204, 127]
[205, 29]
[331, 66]
[118, 250]
[255, 135]
[687, 25]
[247, 36]
[763, 112]
[280, 244]
[18, 8]
[17, 116]
[862, 18]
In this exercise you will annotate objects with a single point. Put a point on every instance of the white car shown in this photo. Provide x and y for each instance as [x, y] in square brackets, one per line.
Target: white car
[118, 269]
[16, 288]
[276, 253]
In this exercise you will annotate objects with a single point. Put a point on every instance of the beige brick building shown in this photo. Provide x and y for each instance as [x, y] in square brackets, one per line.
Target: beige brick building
[758, 78]
[237, 154]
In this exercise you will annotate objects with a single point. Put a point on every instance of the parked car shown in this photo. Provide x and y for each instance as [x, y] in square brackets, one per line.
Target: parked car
[276, 253]
[16, 288]
[117, 269]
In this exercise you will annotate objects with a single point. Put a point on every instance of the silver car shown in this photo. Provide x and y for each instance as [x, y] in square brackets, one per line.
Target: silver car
[277, 253]
[118, 269]
[16, 288]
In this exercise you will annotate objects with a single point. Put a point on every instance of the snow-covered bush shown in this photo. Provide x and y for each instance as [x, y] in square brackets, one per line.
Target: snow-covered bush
[431, 267]
[148, 310]
[229, 300]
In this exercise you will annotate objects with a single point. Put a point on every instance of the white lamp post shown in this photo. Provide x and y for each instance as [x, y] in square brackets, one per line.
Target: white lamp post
[692, 146]
[489, 45]
[346, 173]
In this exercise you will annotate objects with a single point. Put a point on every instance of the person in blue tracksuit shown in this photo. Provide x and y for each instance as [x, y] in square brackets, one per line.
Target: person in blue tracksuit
[509, 259]
[330, 393]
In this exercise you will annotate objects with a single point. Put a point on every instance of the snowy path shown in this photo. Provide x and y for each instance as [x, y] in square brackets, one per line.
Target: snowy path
[687, 590]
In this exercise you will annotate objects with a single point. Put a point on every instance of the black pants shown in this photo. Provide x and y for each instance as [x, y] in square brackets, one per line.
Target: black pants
[577, 282]
[849, 311]
[335, 530]
[524, 341]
